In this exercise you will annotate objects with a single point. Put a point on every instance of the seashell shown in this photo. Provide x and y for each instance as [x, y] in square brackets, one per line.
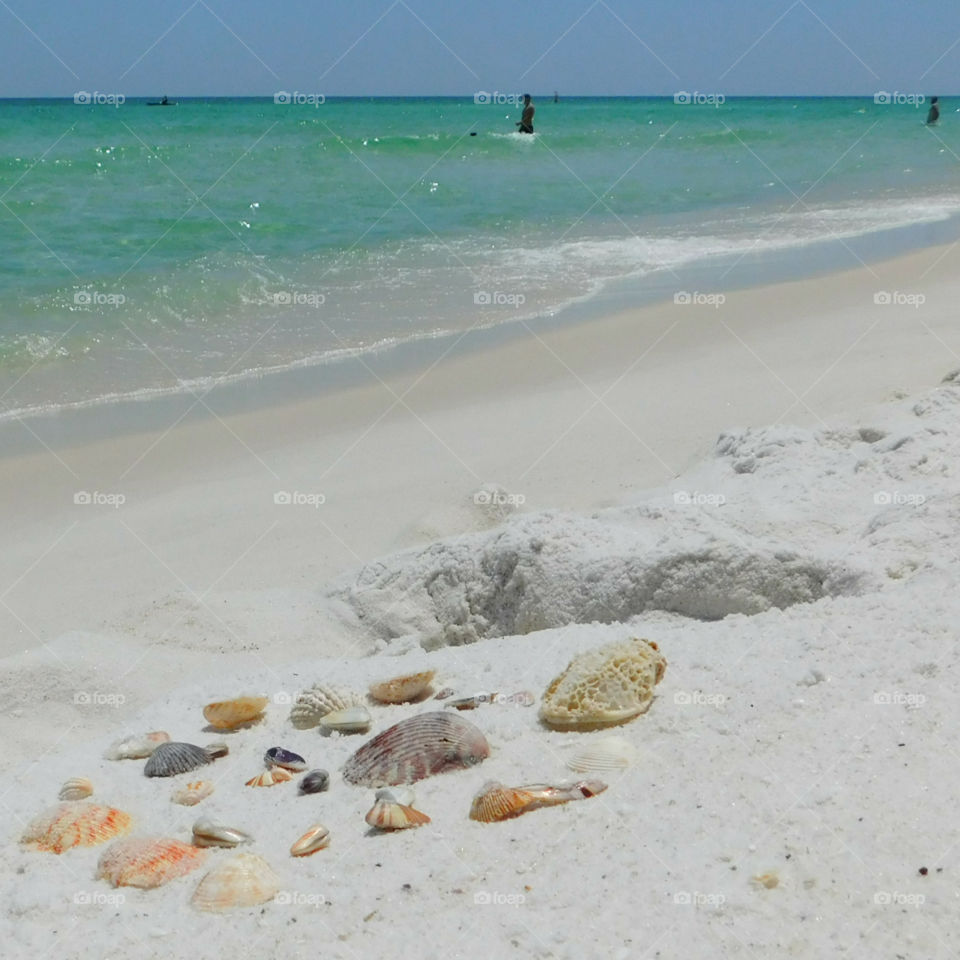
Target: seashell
[396, 794]
[393, 811]
[169, 759]
[75, 824]
[278, 757]
[190, 794]
[603, 755]
[230, 714]
[444, 693]
[270, 778]
[471, 703]
[216, 750]
[208, 833]
[76, 788]
[316, 781]
[246, 880]
[416, 748]
[601, 687]
[313, 704]
[136, 747]
[496, 802]
[402, 689]
[147, 862]
[316, 838]
[353, 720]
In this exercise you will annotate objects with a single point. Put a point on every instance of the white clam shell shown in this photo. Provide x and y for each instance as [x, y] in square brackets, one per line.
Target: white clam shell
[353, 720]
[209, 833]
[246, 880]
[315, 703]
[137, 746]
[316, 838]
[603, 755]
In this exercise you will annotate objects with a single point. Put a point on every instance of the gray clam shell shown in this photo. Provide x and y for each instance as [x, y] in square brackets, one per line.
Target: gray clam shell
[316, 781]
[169, 759]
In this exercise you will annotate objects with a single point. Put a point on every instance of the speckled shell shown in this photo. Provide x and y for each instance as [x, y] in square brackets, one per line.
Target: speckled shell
[313, 704]
[137, 746]
[170, 759]
[230, 714]
[606, 686]
[385, 815]
[245, 880]
[416, 748]
[602, 755]
[270, 778]
[147, 862]
[75, 824]
[402, 689]
[316, 838]
[77, 788]
[190, 794]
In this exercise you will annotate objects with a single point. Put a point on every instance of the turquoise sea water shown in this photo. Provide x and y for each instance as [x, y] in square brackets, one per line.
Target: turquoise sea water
[145, 249]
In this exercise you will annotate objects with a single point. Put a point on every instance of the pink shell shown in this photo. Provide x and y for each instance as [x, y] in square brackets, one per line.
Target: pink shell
[416, 748]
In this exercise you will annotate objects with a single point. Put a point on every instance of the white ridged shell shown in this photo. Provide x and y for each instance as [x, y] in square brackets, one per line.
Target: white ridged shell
[603, 755]
[137, 746]
[76, 788]
[246, 880]
[313, 704]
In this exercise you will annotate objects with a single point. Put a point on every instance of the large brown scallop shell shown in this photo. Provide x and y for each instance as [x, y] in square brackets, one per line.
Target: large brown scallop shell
[416, 748]
[75, 824]
[147, 862]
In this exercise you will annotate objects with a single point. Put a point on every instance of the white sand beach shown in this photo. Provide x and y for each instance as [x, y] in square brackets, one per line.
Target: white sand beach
[765, 487]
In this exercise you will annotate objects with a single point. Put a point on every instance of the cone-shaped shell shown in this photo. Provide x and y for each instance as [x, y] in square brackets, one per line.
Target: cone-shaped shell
[270, 778]
[601, 687]
[245, 880]
[75, 824]
[352, 720]
[170, 759]
[316, 838]
[496, 802]
[209, 833]
[77, 788]
[190, 794]
[230, 714]
[147, 862]
[138, 746]
[416, 748]
[402, 689]
[385, 815]
[322, 698]
[603, 755]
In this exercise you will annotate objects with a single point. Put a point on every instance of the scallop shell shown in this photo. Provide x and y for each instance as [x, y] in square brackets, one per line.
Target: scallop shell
[496, 802]
[75, 824]
[137, 746]
[416, 748]
[606, 686]
[230, 714]
[147, 862]
[77, 788]
[246, 880]
[278, 757]
[169, 759]
[190, 794]
[313, 704]
[402, 689]
[316, 838]
[387, 815]
[208, 833]
[270, 778]
[603, 755]
[316, 781]
[352, 720]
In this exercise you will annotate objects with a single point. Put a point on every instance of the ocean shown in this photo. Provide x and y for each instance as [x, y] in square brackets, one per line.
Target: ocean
[149, 250]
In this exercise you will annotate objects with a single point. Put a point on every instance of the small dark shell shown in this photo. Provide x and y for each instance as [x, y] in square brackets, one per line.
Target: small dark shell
[169, 759]
[316, 781]
[278, 757]
[416, 748]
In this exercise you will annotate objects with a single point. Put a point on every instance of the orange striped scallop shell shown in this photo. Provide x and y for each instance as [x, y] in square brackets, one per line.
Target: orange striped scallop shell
[75, 824]
[147, 862]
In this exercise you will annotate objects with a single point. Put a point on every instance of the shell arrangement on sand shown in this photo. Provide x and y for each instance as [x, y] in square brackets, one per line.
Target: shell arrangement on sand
[75, 824]
[230, 714]
[190, 794]
[246, 880]
[416, 748]
[391, 812]
[77, 788]
[496, 802]
[148, 862]
[316, 838]
[170, 759]
[606, 686]
[403, 689]
[139, 746]
[603, 755]
[314, 704]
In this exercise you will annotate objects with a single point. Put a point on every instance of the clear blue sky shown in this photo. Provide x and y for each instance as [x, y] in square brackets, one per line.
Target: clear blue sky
[409, 47]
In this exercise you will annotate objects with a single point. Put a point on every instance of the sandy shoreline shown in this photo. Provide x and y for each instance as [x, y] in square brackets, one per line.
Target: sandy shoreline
[199, 584]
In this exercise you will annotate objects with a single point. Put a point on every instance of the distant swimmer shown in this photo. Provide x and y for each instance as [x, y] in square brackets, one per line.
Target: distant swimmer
[933, 114]
[525, 123]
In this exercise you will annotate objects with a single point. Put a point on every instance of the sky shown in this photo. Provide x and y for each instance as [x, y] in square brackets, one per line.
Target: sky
[453, 47]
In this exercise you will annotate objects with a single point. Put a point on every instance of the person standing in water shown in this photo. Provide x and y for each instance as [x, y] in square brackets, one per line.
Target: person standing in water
[525, 122]
[933, 114]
